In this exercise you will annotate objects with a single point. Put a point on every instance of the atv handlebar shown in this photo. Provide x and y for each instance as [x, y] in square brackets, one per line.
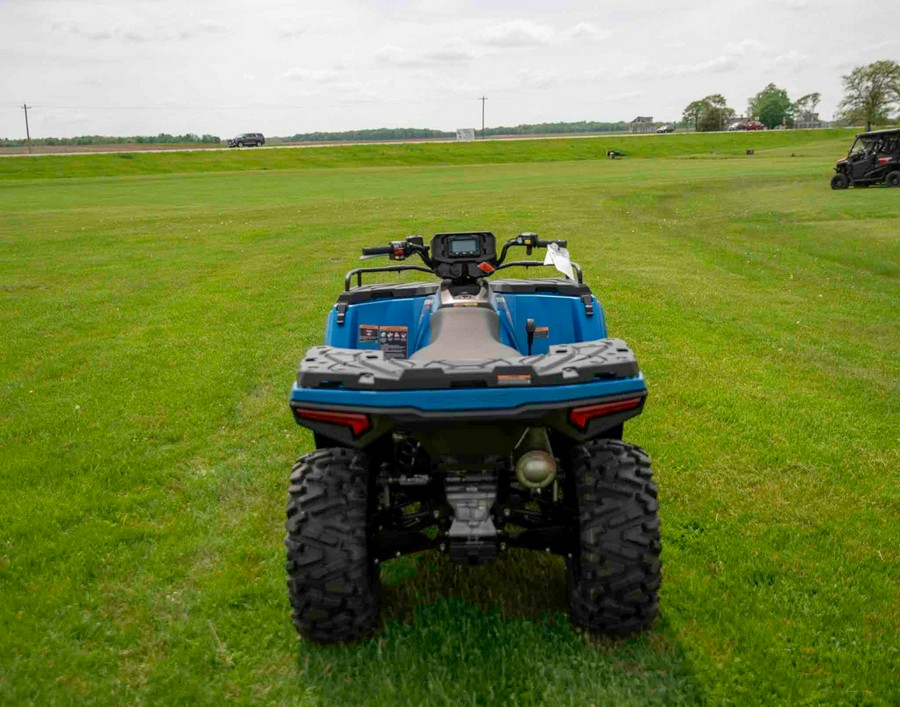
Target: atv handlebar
[529, 241]
[443, 263]
[378, 250]
[400, 250]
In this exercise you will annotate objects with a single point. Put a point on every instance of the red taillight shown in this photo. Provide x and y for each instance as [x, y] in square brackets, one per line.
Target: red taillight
[356, 421]
[580, 417]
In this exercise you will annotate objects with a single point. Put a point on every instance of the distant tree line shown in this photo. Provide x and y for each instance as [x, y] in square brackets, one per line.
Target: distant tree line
[162, 138]
[871, 92]
[582, 126]
[373, 134]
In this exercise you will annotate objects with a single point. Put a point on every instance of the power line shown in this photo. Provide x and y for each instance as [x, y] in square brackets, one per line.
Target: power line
[482, 99]
[27, 131]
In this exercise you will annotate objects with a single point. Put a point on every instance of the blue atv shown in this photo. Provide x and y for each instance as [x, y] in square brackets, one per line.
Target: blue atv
[469, 415]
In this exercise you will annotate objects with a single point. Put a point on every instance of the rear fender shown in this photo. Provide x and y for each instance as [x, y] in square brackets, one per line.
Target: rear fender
[477, 431]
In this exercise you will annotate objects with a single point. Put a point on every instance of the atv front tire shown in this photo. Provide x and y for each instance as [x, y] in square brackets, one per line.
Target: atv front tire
[840, 181]
[614, 570]
[333, 580]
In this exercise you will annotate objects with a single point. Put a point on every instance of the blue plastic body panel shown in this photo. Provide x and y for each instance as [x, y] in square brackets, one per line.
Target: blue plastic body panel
[407, 311]
[564, 316]
[468, 398]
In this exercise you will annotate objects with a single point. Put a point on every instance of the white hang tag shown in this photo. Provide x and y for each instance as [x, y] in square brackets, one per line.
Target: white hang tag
[559, 258]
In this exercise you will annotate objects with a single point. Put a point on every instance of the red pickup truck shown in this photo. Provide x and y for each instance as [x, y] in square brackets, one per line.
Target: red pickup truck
[747, 125]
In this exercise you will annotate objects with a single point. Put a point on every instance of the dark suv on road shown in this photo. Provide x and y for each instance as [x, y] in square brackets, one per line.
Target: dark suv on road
[247, 140]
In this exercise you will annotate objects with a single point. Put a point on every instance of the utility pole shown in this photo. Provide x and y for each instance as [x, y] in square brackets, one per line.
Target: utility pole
[482, 99]
[27, 131]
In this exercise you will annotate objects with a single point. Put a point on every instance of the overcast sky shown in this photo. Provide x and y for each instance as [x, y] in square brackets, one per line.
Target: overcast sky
[148, 66]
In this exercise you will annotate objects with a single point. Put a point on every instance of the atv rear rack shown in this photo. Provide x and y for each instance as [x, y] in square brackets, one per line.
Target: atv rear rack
[328, 367]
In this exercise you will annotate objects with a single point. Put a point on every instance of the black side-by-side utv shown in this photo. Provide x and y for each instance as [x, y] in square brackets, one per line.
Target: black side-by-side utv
[874, 158]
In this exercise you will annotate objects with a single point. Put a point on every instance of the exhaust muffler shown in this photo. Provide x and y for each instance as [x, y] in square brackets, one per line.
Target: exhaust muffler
[536, 465]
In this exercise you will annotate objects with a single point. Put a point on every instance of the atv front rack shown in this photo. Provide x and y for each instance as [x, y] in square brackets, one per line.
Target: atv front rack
[358, 272]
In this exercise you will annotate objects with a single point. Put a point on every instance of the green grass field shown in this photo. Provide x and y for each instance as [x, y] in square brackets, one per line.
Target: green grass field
[153, 310]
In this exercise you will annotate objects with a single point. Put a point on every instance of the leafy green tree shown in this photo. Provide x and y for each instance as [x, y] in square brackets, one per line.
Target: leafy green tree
[806, 105]
[771, 106]
[708, 114]
[870, 92]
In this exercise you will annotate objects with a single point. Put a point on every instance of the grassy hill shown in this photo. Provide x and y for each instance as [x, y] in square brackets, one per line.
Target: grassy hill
[836, 141]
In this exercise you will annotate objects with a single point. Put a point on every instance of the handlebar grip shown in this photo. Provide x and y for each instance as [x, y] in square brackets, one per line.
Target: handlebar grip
[378, 250]
[561, 244]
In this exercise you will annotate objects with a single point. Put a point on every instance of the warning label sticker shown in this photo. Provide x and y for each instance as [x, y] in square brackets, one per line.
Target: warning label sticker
[541, 332]
[393, 340]
[368, 334]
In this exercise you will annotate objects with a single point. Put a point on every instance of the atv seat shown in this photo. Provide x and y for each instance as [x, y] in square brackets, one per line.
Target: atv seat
[464, 333]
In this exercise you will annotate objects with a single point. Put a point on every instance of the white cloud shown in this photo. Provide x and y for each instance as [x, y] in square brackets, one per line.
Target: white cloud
[389, 54]
[586, 30]
[518, 33]
[729, 60]
[508, 35]
[796, 5]
[525, 79]
[87, 32]
[791, 60]
[209, 27]
[309, 75]
[745, 47]
[624, 97]
[453, 52]
[291, 32]
[716, 65]
[143, 34]
[726, 62]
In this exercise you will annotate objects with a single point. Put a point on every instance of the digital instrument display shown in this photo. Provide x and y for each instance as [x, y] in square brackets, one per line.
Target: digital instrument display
[463, 246]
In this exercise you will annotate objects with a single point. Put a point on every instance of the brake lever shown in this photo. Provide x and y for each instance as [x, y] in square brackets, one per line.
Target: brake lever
[369, 257]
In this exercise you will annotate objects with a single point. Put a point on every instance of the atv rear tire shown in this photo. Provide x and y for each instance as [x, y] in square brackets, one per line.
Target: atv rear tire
[614, 571]
[333, 581]
[893, 178]
[840, 181]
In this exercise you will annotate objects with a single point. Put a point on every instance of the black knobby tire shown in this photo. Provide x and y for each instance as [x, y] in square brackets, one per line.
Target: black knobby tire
[333, 581]
[840, 181]
[614, 571]
[893, 178]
